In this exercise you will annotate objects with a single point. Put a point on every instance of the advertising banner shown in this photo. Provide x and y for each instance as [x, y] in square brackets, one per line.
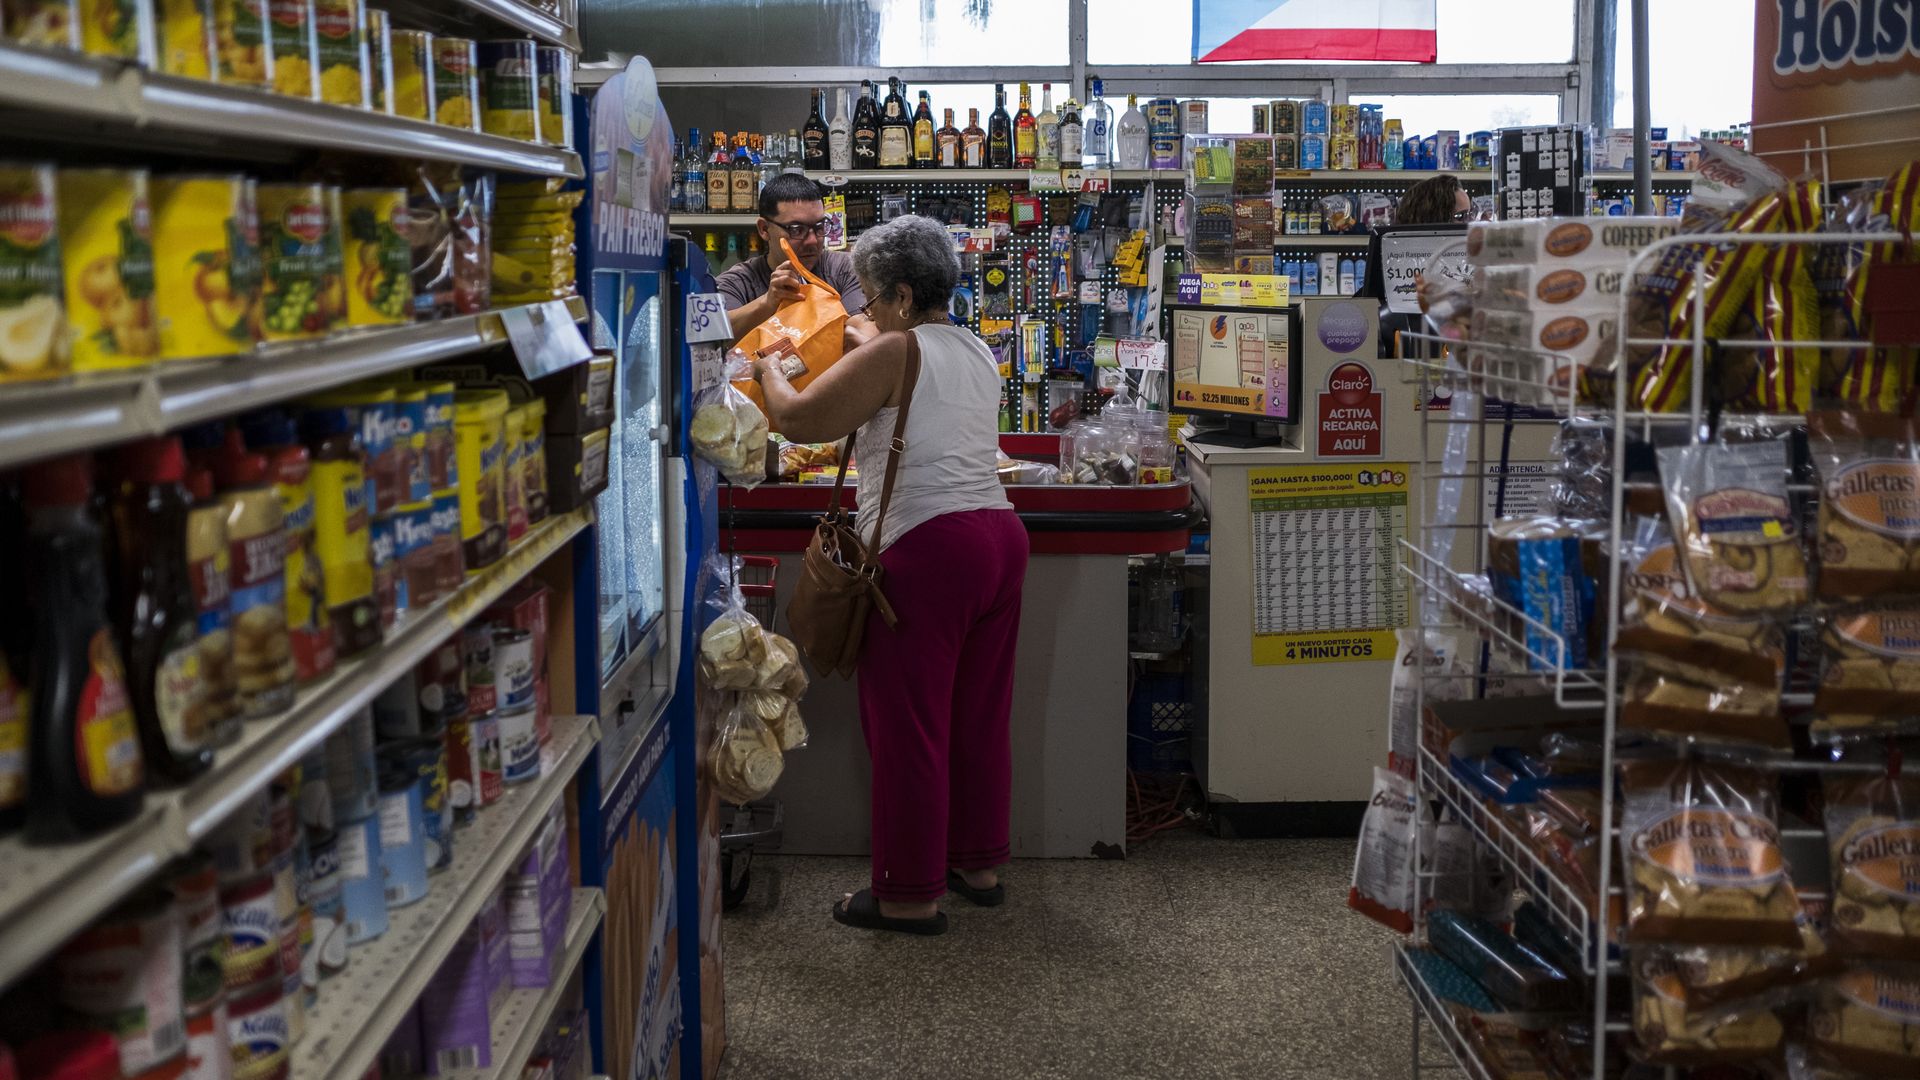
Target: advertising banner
[631, 161]
[1315, 30]
[641, 955]
[1326, 542]
[1844, 74]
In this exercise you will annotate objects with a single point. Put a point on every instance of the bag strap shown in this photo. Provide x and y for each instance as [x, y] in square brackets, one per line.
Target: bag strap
[806, 275]
[908, 380]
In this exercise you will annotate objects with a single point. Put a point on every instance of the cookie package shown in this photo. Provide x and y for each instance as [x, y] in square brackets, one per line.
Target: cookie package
[1728, 507]
[1869, 523]
[1873, 850]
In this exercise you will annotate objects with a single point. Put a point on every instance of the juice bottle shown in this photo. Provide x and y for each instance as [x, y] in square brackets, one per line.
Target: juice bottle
[85, 769]
[154, 609]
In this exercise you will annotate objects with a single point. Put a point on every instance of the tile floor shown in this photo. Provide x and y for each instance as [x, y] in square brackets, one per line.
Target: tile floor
[1194, 958]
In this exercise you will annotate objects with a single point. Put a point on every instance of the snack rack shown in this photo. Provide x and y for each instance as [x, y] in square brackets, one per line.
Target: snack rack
[1473, 374]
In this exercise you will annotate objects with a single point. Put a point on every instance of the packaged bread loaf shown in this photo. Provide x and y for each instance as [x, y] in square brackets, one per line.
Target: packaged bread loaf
[746, 759]
[1867, 1020]
[732, 648]
[1873, 849]
[1723, 712]
[1668, 1033]
[1869, 525]
[1666, 627]
[1870, 661]
[1728, 508]
[1702, 852]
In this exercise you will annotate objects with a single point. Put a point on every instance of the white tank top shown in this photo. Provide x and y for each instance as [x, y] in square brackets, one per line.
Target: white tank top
[953, 438]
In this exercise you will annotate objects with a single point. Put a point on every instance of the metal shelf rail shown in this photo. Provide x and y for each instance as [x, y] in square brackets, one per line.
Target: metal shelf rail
[47, 894]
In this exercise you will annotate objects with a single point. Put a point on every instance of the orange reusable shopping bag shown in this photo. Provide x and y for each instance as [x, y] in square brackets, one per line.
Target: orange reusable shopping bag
[810, 331]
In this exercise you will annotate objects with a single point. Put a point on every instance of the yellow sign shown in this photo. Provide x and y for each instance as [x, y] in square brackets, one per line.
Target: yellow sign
[1326, 540]
[1243, 290]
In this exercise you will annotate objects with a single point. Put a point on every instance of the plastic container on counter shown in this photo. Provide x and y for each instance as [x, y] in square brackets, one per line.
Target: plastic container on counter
[341, 526]
[480, 431]
[273, 433]
[403, 833]
[85, 768]
[157, 616]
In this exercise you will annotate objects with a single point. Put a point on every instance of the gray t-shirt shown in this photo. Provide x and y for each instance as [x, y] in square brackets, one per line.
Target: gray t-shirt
[747, 281]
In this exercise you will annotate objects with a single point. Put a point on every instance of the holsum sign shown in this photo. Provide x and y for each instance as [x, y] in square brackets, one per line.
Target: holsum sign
[1349, 414]
[1815, 59]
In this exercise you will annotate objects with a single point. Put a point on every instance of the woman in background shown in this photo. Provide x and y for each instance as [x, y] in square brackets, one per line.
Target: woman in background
[936, 691]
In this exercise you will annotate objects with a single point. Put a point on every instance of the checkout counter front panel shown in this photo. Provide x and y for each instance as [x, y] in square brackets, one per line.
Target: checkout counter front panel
[1070, 682]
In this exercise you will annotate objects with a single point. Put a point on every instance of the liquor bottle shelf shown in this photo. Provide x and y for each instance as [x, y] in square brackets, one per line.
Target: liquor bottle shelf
[40, 420]
[518, 1023]
[47, 893]
[982, 176]
[68, 96]
[360, 1008]
[712, 221]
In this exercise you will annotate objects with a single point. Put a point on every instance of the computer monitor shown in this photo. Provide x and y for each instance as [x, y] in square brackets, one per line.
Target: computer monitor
[1237, 363]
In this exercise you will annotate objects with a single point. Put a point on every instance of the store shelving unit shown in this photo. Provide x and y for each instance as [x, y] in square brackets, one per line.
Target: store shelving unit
[1428, 1005]
[72, 96]
[525, 18]
[984, 176]
[360, 1008]
[713, 221]
[48, 893]
[518, 1023]
[40, 420]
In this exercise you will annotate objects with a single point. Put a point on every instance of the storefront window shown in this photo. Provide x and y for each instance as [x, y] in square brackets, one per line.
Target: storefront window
[1427, 113]
[789, 33]
[1701, 66]
[1471, 31]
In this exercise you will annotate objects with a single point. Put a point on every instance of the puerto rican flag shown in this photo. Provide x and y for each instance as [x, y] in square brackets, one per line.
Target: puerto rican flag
[1314, 30]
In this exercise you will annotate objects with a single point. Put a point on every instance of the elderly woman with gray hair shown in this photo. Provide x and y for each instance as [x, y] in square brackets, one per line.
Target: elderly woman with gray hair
[936, 691]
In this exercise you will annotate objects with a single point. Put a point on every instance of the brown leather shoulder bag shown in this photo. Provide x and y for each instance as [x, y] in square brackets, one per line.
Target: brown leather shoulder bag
[840, 575]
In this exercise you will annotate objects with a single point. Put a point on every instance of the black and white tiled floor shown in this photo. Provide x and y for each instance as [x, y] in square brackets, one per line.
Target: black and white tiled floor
[1194, 958]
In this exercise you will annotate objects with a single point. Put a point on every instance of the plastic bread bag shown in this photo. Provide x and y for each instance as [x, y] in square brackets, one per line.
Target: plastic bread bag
[746, 759]
[780, 713]
[1873, 849]
[734, 647]
[1725, 713]
[1715, 980]
[1701, 847]
[1665, 627]
[1869, 524]
[1783, 306]
[1668, 1033]
[1870, 661]
[1513, 974]
[1873, 378]
[1867, 1020]
[729, 430]
[1728, 507]
[1383, 864]
[1582, 488]
[1734, 193]
[1430, 657]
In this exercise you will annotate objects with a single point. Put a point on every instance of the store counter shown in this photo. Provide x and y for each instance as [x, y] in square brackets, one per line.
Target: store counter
[1070, 683]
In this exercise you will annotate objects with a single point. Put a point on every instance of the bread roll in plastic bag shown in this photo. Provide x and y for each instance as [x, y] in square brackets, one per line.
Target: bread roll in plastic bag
[730, 430]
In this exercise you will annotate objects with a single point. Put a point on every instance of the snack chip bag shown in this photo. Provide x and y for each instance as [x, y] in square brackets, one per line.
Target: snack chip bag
[1867, 1020]
[1878, 379]
[1733, 193]
[1869, 526]
[1872, 662]
[1783, 306]
[1666, 627]
[1702, 850]
[1671, 1034]
[730, 430]
[1873, 844]
[1727, 505]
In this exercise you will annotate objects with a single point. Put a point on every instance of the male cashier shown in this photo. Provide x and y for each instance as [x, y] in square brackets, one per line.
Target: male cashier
[791, 207]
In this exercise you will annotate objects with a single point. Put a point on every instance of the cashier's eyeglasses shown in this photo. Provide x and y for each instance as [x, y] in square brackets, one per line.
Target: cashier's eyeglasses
[797, 230]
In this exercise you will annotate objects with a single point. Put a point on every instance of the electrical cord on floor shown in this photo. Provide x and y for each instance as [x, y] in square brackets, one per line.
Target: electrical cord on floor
[1153, 804]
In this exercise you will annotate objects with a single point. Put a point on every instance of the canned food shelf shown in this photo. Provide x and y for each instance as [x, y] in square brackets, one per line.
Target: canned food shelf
[364, 1004]
[49, 892]
[518, 1023]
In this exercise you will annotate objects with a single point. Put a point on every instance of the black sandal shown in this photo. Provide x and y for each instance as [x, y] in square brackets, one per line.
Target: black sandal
[862, 911]
[994, 897]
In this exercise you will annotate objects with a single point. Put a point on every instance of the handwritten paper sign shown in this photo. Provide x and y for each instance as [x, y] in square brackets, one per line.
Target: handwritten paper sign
[545, 338]
[707, 318]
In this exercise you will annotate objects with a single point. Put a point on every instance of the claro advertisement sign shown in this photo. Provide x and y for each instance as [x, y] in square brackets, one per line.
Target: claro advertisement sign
[1819, 65]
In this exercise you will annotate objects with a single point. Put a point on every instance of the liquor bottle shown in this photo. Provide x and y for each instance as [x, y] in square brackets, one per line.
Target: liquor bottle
[923, 133]
[745, 175]
[696, 173]
[719, 176]
[753, 247]
[712, 249]
[896, 130]
[946, 142]
[1072, 133]
[973, 143]
[1130, 137]
[1046, 131]
[814, 153]
[999, 131]
[790, 160]
[677, 188]
[733, 253]
[1097, 140]
[1024, 149]
[840, 137]
[772, 162]
[866, 129]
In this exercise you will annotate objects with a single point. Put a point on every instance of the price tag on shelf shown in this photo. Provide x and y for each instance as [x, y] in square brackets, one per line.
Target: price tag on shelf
[706, 318]
[545, 338]
[1142, 354]
[1096, 180]
[1043, 180]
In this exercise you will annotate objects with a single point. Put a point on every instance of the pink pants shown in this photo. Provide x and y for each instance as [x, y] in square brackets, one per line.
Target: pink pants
[936, 694]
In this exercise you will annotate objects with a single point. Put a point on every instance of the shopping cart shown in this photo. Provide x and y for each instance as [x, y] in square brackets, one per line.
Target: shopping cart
[755, 826]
